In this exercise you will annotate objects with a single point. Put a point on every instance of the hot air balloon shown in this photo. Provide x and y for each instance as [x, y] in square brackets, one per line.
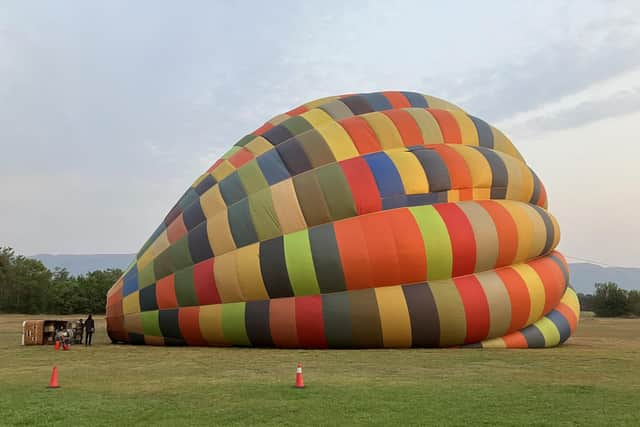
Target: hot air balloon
[389, 219]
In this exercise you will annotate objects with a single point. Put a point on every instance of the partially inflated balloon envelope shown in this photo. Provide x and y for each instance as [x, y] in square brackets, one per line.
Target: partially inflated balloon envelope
[388, 219]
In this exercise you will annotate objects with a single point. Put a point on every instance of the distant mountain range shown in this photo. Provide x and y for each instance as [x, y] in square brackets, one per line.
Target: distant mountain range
[583, 275]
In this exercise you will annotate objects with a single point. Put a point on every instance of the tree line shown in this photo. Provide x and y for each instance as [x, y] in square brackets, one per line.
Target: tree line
[610, 300]
[27, 286]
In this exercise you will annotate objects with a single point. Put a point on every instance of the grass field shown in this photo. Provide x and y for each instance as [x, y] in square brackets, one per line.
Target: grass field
[592, 380]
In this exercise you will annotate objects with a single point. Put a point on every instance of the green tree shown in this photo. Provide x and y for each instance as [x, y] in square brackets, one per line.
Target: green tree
[27, 286]
[62, 294]
[93, 289]
[586, 301]
[7, 281]
[23, 283]
[5, 261]
[633, 303]
[609, 300]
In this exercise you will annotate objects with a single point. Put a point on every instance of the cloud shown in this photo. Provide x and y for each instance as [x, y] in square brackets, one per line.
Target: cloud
[586, 112]
[71, 212]
[122, 96]
[613, 97]
[599, 51]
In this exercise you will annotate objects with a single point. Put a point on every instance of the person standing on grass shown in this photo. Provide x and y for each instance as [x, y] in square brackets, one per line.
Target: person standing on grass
[90, 328]
[81, 323]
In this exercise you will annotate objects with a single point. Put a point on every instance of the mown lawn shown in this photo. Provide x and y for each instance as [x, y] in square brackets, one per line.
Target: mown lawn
[592, 380]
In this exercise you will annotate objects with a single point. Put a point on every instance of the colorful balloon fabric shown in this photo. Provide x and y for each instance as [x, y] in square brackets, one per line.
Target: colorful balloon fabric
[388, 219]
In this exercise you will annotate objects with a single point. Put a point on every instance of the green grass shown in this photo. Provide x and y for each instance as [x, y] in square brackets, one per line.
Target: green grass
[593, 380]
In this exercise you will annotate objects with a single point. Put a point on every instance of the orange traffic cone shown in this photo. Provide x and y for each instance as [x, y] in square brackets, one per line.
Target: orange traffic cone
[53, 382]
[57, 346]
[299, 380]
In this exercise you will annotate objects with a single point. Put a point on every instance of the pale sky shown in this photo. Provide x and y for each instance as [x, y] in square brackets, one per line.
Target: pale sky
[110, 110]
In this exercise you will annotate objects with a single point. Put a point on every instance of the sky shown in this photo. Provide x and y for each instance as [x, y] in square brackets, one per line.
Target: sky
[110, 110]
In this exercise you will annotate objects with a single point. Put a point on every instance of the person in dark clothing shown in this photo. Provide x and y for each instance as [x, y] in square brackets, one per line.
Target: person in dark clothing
[81, 323]
[90, 328]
